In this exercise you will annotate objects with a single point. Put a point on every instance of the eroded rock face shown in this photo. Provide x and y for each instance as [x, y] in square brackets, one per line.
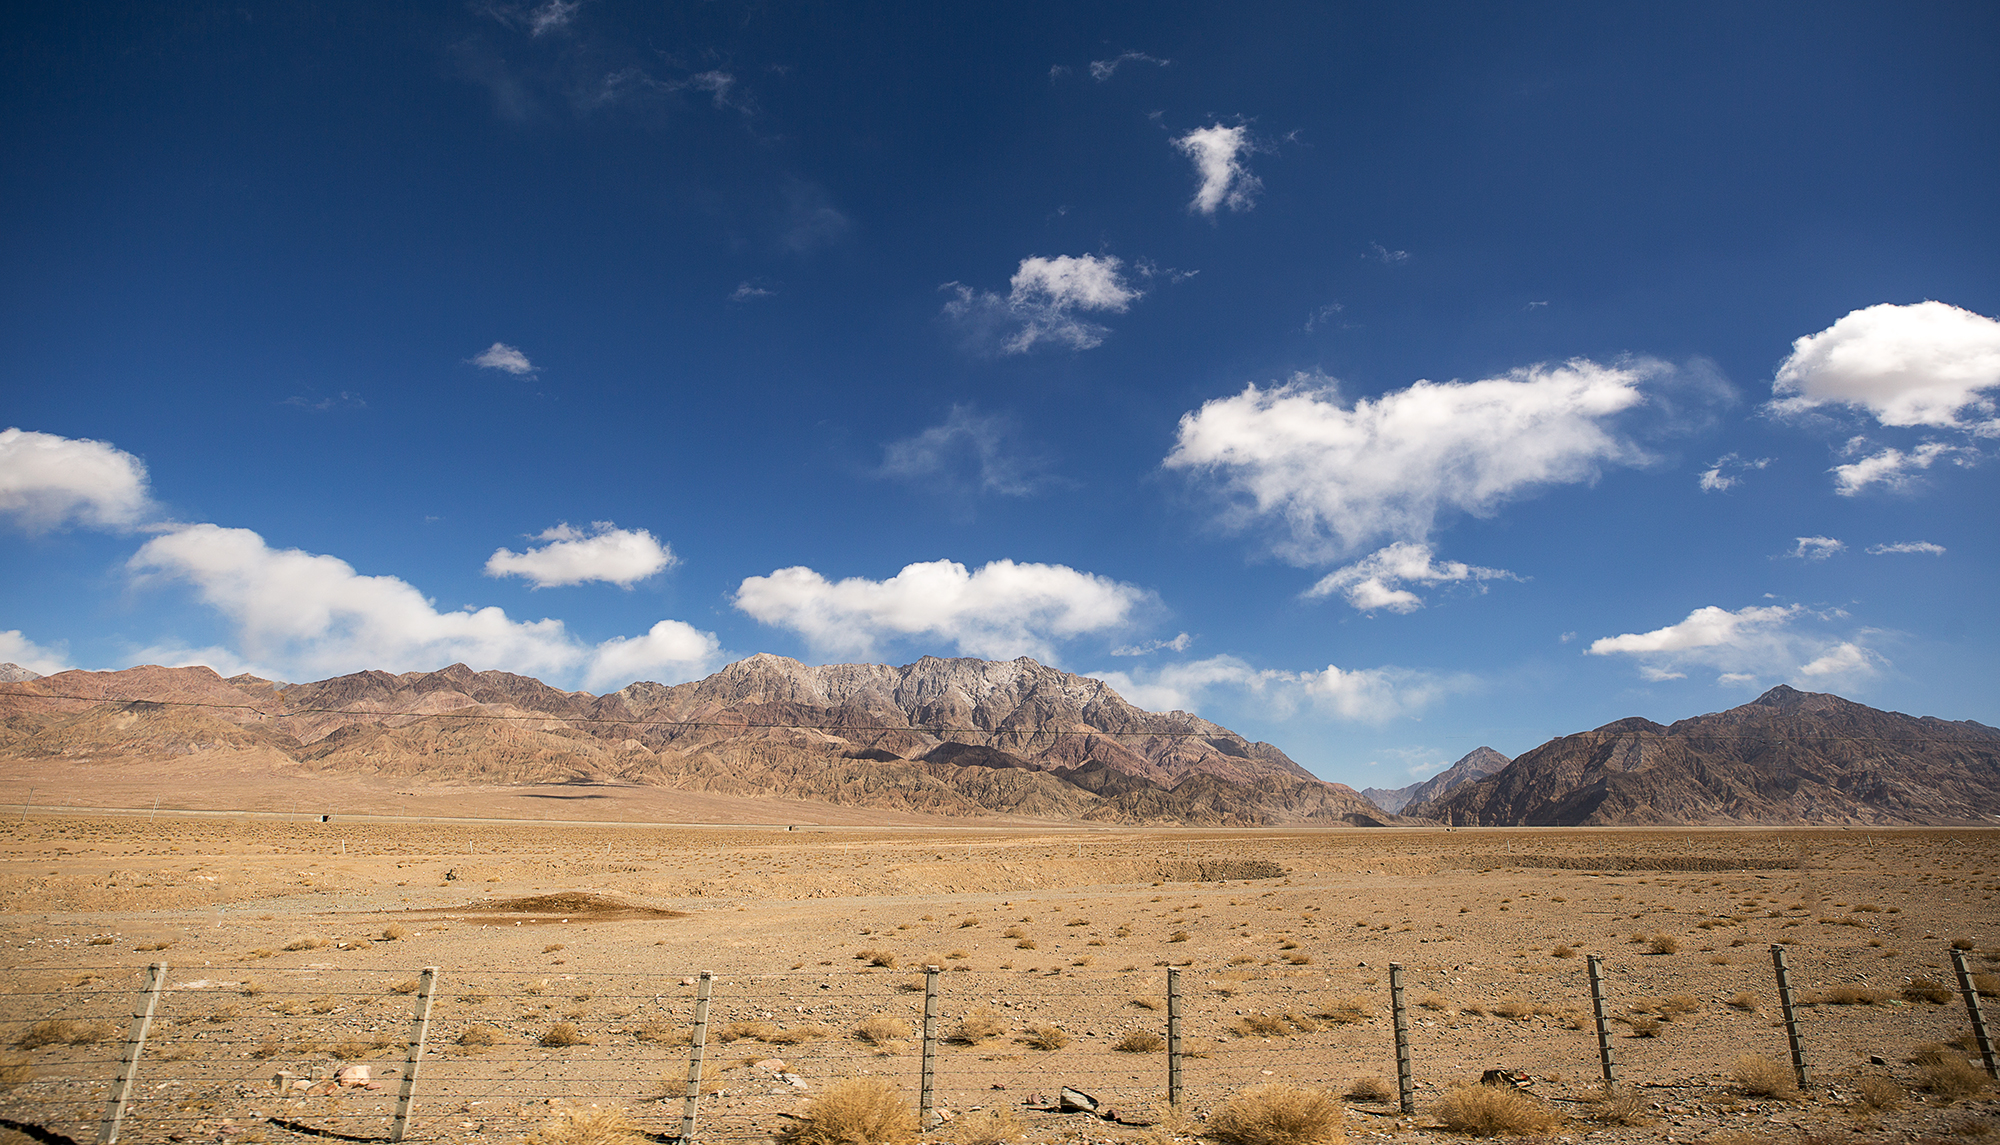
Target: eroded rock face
[1478, 763]
[1785, 757]
[953, 737]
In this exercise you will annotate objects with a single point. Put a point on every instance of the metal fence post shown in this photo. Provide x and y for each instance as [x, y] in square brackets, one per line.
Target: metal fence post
[1785, 1003]
[135, 1044]
[927, 1087]
[696, 1045]
[1406, 1084]
[1971, 994]
[1174, 1082]
[420, 1031]
[1609, 1067]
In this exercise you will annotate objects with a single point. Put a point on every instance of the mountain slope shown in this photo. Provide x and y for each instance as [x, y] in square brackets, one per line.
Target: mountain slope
[1478, 763]
[1785, 757]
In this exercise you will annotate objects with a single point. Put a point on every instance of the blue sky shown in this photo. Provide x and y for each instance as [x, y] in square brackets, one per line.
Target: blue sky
[1381, 381]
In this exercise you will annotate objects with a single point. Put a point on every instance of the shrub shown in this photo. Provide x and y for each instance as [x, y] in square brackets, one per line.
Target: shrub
[1491, 1111]
[1280, 1115]
[1515, 1009]
[968, 920]
[562, 1034]
[1986, 985]
[1564, 950]
[1879, 1093]
[1760, 1076]
[1150, 1003]
[987, 1127]
[1926, 990]
[661, 1033]
[586, 1127]
[406, 986]
[1679, 1004]
[1745, 1001]
[552, 947]
[982, 1023]
[798, 1035]
[1045, 1037]
[858, 1111]
[1621, 1107]
[1944, 1072]
[1644, 1027]
[63, 1032]
[882, 958]
[1663, 944]
[1262, 1026]
[1077, 922]
[1179, 936]
[1370, 1088]
[1013, 932]
[478, 1038]
[1026, 944]
[1433, 1002]
[738, 1031]
[1140, 1042]
[307, 943]
[1962, 944]
[882, 1030]
[1346, 1011]
[392, 932]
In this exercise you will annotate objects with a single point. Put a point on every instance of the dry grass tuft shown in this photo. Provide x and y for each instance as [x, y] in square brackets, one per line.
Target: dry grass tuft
[1945, 1072]
[882, 958]
[1879, 1093]
[1140, 1042]
[1045, 1037]
[882, 1030]
[1563, 950]
[1345, 1011]
[306, 943]
[982, 1023]
[392, 932]
[1280, 1115]
[1745, 1001]
[63, 1032]
[987, 1127]
[739, 1031]
[1986, 985]
[562, 1034]
[1618, 1106]
[586, 1127]
[858, 1111]
[1853, 996]
[1262, 1026]
[1370, 1088]
[1150, 1003]
[406, 986]
[478, 1039]
[15, 1071]
[1663, 944]
[1926, 990]
[1490, 1111]
[1760, 1076]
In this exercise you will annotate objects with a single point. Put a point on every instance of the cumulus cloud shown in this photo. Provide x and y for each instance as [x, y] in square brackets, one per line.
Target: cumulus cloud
[1217, 153]
[1815, 548]
[47, 482]
[969, 453]
[1043, 302]
[1728, 470]
[1925, 364]
[1760, 642]
[1362, 695]
[1890, 467]
[501, 356]
[1337, 476]
[22, 652]
[608, 553]
[1003, 610]
[1376, 581]
[1907, 547]
[309, 615]
[1102, 70]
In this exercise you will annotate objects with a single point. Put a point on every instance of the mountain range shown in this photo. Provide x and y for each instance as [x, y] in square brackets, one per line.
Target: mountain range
[1478, 763]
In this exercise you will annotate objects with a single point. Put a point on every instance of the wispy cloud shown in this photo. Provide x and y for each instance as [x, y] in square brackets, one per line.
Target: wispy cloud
[1043, 303]
[1815, 548]
[967, 454]
[1375, 581]
[1179, 643]
[1102, 70]
[1892, 468]
[49, 482]
[1728, 470]
[500, 356]
[606, 553]
[1924, 547]
[345, 399]
[746, 290]
[1379, 253]
[1217, 153]
[1323, 315]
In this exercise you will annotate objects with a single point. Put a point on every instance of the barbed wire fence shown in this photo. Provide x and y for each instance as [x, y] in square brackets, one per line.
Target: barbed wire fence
[153, 1054]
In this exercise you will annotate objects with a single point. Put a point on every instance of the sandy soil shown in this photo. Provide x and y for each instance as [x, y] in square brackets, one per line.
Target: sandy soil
[278, 933]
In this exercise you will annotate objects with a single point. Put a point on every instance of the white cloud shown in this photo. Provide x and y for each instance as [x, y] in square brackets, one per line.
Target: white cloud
[1366, 695]
[1379, 253]
[47, 482]
[1753, 643]
[1816, 548]
[1907, 547]
[310, 616]
[1003, 610]
[1044, 298]
[967, 454]
[552, 16]
[1101, 70]
[22, 652]
[747, 290]
[1925, 364]
[1374, 581]
[1727, 472]
[607, 553]
[1217, 153]
[501, 356]
[1148, 647]
[1889, 467]
[1339, 477]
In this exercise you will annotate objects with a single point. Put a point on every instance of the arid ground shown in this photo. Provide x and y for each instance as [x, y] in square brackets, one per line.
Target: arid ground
[295, 946]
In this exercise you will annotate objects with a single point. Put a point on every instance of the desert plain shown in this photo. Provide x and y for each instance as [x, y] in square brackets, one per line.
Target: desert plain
[569, 956]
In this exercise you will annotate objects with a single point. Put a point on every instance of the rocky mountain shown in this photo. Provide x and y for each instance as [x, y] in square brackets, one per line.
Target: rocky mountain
[1785, 757]
[954, 737]
[1478, 763]
[12, 673]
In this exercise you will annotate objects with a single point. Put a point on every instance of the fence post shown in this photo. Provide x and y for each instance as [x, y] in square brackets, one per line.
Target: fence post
[1174, 1083]
[927, 1088]
[1604, 1061]
[1971, 994]
[1406, 1084]
[420, 1031]
[135, 1044]
[696, 1045]
[1785, 1004]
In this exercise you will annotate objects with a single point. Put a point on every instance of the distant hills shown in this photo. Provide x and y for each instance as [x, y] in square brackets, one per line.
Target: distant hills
[1786, 757]
[956, 737]
[979, 738]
